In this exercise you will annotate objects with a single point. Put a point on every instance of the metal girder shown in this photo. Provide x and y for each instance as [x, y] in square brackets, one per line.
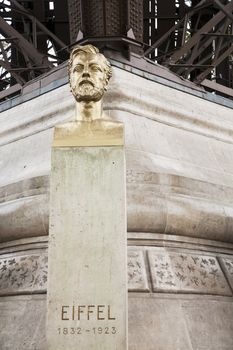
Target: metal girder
[163, 38]
[180, 25]
[191, 39]
[200, 47]
[22, 44]
[205, 34]
[39, 24]
[17, 77]
[217, 87]
[223, 9]
[218, 60]
[198, 36]
[25, 43]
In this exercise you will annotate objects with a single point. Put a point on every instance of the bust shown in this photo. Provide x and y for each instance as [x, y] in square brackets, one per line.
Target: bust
[89, 74]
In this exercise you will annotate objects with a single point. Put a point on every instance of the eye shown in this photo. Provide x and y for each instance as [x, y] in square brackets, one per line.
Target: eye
[78, 68]
[96, 68]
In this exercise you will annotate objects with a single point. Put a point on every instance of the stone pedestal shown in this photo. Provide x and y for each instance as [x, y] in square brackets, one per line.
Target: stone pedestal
[87, 291]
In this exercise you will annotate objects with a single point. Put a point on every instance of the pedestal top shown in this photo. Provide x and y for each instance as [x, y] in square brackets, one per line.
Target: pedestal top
[99, 132]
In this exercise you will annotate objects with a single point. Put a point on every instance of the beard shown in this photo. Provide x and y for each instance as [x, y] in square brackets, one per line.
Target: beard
[87, 93]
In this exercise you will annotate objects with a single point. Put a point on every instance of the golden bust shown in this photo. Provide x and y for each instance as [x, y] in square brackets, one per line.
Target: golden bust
[89, 74]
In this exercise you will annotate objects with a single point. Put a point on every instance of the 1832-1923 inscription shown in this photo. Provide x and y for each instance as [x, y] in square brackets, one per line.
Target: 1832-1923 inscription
[83, 313]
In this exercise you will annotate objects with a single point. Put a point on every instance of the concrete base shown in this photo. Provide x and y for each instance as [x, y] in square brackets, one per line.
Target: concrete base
[87, 289]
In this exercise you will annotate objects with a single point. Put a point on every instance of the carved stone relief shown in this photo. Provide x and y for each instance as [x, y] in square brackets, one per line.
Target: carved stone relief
[23, 274]
[137, 278]
[227, 265]
[186, 273]
[170, 272]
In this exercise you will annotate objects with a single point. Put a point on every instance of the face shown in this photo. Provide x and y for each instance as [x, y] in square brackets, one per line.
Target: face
[87, 77]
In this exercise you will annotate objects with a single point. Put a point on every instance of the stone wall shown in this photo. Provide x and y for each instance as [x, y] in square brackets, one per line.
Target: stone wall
[179, 151]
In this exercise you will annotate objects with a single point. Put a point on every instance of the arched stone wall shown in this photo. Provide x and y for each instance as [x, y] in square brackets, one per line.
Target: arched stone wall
[179, 151]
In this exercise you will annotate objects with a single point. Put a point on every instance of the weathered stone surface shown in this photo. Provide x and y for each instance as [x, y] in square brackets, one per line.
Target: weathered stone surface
[87, 283]
[137, 276]
[180, 176]
[175, 324]
[157, 324]
[190, 273]
[209, 323]
[169, 323]
[227, 265]
[23, 323]
[24, 187]
[181, 158]
[28, 273]
[178, 205]
[171, 272]
[23, 273]
[30, 217]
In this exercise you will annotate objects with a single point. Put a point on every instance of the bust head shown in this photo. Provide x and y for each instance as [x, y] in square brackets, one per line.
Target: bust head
[89, 73]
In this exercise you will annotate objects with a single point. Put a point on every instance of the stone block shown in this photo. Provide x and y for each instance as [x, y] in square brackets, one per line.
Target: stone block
[23, 273]
[137, 277]
[87, 285]
[227, 266]
[157, 324]
[209, 323]
[23, 320]
[186, 273]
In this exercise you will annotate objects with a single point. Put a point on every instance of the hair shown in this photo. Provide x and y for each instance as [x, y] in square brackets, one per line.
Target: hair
[91, 50]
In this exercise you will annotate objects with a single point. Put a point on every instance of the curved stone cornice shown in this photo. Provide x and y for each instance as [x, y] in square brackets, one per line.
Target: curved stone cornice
[179, 160]
[159, 203]
[167, 105]
[127, 92]
[24, 209]
[36, 115]
[169, 204]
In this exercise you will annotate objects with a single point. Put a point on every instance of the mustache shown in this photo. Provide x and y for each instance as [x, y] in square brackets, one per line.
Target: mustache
[86, 81]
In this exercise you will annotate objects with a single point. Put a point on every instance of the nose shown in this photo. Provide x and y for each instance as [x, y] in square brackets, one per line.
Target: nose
[86, 72]
[86, 75]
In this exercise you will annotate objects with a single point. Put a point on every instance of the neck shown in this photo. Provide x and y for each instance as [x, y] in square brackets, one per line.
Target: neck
[88, 111]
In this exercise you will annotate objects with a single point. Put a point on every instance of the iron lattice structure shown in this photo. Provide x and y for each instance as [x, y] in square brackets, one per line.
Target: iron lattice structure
[28, 46]
[193, 38]
[195, 41]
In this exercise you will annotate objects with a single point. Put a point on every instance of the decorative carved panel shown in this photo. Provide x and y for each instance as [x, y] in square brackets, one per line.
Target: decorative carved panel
[227, 265]
[23, 274]
[186, 273]
[137, 277]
